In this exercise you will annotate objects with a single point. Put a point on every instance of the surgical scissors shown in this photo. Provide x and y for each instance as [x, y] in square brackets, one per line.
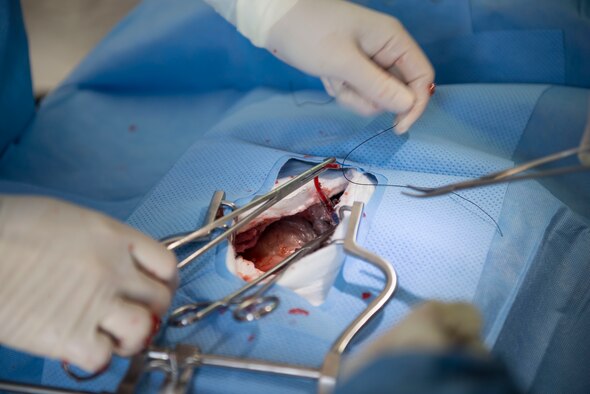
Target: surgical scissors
[250, 307]
[515, 173]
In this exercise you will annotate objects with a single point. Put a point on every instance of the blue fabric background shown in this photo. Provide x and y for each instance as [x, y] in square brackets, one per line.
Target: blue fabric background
[174, 104]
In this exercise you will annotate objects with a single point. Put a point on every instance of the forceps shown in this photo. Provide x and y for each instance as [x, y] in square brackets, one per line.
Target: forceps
[516, 173]
[249, 307]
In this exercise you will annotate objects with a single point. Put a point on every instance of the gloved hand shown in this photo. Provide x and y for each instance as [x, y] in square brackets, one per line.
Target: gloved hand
[366, 59]
[432, 327]
[76, 285]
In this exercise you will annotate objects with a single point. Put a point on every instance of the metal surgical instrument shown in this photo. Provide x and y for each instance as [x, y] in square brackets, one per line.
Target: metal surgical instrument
[517, 173]
[251, 211]
[249, 307]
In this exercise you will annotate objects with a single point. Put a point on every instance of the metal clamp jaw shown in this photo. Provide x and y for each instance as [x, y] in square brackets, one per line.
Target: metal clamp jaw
[178, 365]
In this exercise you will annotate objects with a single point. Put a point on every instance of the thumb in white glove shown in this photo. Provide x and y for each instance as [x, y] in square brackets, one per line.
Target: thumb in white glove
[77, 285]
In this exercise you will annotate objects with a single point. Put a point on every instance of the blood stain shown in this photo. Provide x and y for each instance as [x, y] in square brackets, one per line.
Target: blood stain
[307, 156]
[132, 128]
[432, 88]
[246, 278]
[366, 295]
[298, 311]
[364, 215]
[333, 166]
[251, 337]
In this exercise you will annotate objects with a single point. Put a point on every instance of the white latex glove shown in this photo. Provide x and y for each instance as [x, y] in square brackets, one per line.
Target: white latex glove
[432, 327]
[76, 285]
[366, 59]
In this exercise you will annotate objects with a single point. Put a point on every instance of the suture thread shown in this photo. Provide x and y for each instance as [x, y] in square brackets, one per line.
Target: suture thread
[307, 102]
[403, 186]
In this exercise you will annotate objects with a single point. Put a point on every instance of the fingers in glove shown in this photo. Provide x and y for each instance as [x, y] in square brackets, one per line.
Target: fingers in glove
[154, 258]
[403, 57]
[131, 324]
[144, 289]
[91, 354]
[376, 84]
[406, 120]
[349, 98]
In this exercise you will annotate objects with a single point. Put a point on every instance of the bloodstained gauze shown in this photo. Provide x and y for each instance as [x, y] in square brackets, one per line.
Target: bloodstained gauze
[298, 311]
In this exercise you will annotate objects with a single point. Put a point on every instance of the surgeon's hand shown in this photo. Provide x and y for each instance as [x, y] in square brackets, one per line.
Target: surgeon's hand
[431, 327]
[366, 59]
[76, 285]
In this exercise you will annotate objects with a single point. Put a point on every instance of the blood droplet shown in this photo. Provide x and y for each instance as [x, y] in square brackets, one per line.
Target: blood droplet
[156, 322]
[318, 187]
[366, 295]
[298, 311]
[432, 88]
[246, 278]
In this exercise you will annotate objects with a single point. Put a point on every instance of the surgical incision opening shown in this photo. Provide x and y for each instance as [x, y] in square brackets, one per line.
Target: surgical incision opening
[272, 241]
